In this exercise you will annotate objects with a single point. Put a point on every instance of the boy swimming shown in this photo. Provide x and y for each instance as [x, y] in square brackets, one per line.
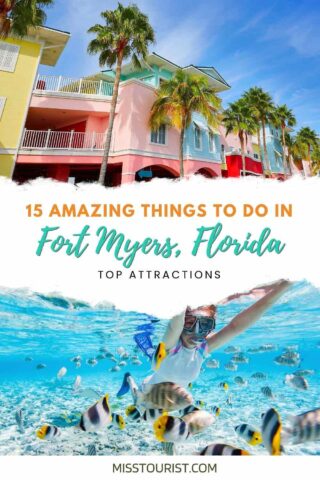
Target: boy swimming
[190, 338]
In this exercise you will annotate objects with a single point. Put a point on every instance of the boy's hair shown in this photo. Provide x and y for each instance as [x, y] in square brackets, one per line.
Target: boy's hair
[205, 310]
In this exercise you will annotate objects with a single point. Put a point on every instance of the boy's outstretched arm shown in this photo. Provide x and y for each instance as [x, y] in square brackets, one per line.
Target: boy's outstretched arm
[249, 316]
[174, 330]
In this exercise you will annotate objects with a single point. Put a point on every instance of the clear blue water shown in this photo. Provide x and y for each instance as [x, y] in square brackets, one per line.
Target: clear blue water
[53, 330]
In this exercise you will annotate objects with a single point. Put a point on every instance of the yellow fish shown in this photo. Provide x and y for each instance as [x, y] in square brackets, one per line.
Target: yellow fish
[97, 416]
[159, 355]
[118, 421]
[249, 434]
[271, 431]
[170, 429]
[48, 432]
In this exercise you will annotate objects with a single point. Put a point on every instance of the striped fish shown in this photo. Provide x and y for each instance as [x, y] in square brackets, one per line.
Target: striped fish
[97, 416]
[241, 381]
[19, 416]
[303, 373]
[267, 392]
[48, 432]
[232, 367]
[259, 376]
[305, 427]
[249, 434]
[232, 349]
[167, 395]
[224, 385]
[133, 413]
[169, 448]
[296, 381]
[222, 449]
[159, 355]
[118, 421]
[198, 421]
[92, 450]
[215, 410]
[189, 409]
[271, 431]
[240, 358]
[151, 414]
[170, 429]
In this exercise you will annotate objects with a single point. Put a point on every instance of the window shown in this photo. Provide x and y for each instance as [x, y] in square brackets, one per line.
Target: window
[212, 143]
[149, 80]
[2, 104]
[8, 56]
[197, 137]
[256, 155]
[159, 136]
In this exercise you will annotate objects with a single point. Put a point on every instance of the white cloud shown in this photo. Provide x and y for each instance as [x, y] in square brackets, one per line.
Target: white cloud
[300, 32]
[255, 20]
[182, 37]
[185, 41]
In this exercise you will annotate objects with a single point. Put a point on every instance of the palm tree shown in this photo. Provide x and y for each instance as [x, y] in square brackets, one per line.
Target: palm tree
[238, 119]
[17, 16]
[284, 118]
[294, 149]
[178, 98]
[262, 106]
[315, 159]
[308, 139]
[126, 34]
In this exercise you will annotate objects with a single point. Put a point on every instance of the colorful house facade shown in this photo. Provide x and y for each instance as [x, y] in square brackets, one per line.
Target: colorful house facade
[67, 118]
[19, 61]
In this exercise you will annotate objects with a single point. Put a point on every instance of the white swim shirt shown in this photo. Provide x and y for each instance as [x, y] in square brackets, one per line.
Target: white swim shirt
[182, 365]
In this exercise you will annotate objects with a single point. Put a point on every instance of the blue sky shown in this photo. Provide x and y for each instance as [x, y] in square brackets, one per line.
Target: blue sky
[274, 44]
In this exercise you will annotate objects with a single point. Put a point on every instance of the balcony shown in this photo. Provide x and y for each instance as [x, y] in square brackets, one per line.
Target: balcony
[64, 86]
[43, 140]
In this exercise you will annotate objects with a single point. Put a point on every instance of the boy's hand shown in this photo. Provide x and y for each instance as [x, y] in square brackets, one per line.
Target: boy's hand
[257, 292]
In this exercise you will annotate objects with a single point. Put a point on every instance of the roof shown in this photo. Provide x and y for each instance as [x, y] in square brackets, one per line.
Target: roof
[54, 43]
[214, 77]
[215, 72]
[218, 83]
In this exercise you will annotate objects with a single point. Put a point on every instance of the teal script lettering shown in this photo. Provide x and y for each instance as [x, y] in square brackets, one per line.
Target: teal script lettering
[214, 242]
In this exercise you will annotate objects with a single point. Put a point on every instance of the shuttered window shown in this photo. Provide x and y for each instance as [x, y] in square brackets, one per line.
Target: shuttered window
[159, 136]
[8, 56]
[197, 137]
[212, 143]
[2, 104]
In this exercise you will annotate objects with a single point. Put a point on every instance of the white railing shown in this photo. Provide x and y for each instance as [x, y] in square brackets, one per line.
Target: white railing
[53, 140]
[73, 86]
[237, 151]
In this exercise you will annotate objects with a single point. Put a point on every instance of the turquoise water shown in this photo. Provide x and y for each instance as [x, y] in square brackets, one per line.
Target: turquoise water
[51, 331]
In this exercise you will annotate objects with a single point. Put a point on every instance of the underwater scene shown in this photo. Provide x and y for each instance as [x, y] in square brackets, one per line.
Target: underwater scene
[58, 357]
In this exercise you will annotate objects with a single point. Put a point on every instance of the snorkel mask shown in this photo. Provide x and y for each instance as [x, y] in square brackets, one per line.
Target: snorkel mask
[200, 325]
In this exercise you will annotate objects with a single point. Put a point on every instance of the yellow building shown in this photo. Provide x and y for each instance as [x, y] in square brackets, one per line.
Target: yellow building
[19, 62]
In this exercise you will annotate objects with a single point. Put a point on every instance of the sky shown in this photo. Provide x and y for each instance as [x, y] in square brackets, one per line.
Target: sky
[273, 44]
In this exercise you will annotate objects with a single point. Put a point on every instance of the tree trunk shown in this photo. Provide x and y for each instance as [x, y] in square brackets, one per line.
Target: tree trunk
[266, 158]
[259, 143]
[309, 159]
[309, 154]
[3, 25]
[181, 153]
[242, 154]
[260, 149]
[105, 158]
[284, 158]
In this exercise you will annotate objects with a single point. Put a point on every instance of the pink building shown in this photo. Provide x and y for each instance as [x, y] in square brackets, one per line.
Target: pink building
[67, 121]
